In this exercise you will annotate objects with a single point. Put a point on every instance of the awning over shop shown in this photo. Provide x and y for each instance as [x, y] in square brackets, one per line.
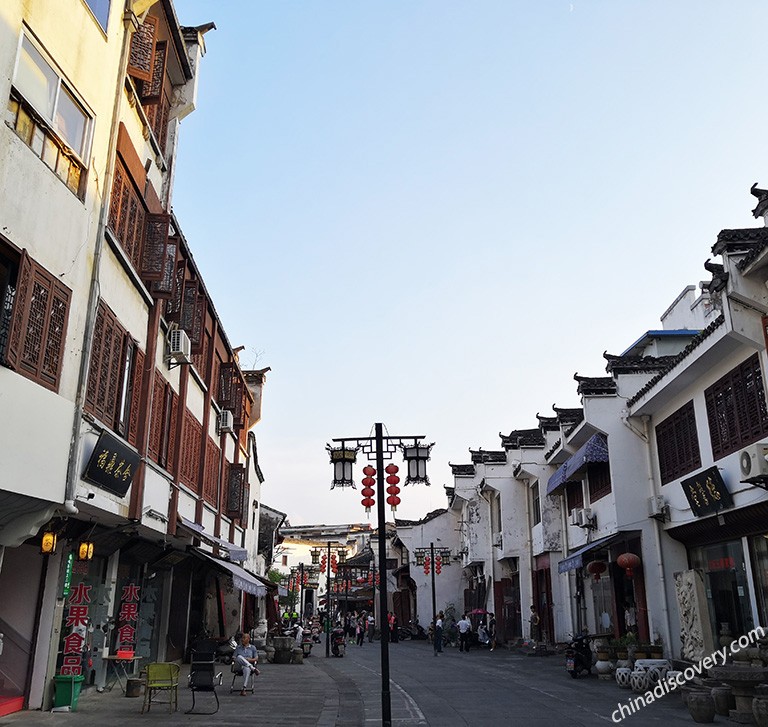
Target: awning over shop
[595, 450]
[198, 531]
[241, 578]
[576, 560]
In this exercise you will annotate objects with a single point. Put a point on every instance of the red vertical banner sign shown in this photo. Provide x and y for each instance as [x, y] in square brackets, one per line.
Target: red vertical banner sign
[77, 618]
[128, 618]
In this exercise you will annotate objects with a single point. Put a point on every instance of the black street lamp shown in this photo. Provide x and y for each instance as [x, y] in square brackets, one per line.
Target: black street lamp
[329, 563]
[378, 448]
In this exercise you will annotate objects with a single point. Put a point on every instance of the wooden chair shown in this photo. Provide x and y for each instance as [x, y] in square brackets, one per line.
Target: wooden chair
[162, 677]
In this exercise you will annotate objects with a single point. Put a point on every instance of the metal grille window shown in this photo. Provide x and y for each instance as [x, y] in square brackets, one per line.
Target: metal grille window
[574, 495]
[598, 480]
[736, 410]
[33, 319]
[677, 444]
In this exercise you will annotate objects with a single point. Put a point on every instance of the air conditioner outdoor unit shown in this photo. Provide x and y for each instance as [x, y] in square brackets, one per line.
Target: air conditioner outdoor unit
[656, 506]
[585, 518]
[226, 421]
[576, 515]
[179, 346]
[752, 460]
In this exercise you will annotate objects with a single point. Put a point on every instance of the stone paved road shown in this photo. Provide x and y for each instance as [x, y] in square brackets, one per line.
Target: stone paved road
[478, 689]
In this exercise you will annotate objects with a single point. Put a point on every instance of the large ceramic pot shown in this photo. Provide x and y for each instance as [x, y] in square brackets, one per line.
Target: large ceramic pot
[603, 666]
[760, 705]
[701, 706]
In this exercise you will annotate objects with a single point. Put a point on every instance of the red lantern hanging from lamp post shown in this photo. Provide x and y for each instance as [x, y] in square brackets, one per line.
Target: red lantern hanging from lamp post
[628, 561]
[596, 568]
[368, 484]
[392, 490]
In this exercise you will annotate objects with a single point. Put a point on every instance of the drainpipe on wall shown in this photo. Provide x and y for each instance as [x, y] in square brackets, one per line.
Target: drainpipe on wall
[129, 19]
[657, 539]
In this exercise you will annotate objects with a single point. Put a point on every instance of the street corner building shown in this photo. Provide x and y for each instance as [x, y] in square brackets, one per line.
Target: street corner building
[639, 515]
[130, 486]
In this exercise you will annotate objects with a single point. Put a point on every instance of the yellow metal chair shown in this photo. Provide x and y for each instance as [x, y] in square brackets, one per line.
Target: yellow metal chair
[162, 677]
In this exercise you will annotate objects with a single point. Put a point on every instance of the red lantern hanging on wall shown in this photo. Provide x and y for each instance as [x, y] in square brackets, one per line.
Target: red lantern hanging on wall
[628, 561]
[368, 492]
[596, 568]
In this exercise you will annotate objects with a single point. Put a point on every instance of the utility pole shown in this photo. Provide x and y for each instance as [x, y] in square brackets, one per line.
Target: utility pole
[434, 607]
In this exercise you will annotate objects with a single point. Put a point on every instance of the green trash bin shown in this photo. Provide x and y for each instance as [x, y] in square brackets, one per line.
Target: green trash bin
[67, 690]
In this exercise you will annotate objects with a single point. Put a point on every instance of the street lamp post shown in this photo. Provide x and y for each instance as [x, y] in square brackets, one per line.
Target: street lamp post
[377, 448]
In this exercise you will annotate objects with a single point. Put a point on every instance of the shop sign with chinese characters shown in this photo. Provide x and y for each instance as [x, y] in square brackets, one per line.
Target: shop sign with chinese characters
[77, 619]
[706, 492]
[112, 465]
[128, 618]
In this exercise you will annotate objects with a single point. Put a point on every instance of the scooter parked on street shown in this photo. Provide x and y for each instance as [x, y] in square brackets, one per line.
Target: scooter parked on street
[578, 655]
[338, 641]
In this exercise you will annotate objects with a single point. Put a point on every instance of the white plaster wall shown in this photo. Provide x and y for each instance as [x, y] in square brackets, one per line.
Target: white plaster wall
[187, 503]
[36, 426]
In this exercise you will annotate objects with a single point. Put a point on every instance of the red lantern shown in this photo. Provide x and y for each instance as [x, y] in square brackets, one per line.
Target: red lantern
[391, 469]
[596, 567]
[628, 561]
[393, 480]
[427, 562]
[368, 482]
[438, 565]
[368, 503]
[368, 471]
[393, 500]
[323, 562]
[377, 579]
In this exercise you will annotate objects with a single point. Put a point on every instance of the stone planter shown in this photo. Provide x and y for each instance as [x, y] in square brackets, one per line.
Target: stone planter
[297, 655]
[686, 691]
[701, 706]
[623, 677]
[724, 700]
[603, 665]
[269, 652]
[760, 705]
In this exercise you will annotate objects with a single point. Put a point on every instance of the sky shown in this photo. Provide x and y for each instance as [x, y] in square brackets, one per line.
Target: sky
[433, 213]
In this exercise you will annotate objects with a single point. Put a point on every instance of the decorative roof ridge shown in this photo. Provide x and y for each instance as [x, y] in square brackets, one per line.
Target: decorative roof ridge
[595, 385]
[522, 438]
[460, 470]
[485, 456]
[429, 516]
[695, 343]
[547, 423]
[552, 449]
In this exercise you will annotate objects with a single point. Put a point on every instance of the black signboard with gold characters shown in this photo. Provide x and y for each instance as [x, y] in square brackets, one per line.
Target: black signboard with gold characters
[706, 492]
[112, 465]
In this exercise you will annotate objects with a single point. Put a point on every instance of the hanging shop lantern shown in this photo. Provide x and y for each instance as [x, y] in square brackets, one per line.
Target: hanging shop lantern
[417, 456]
[323, 562]
[48, 543]
[85, 550]
[334, 564]
[628, 561]
[427, 563]
[392, 490]
[596, 568]
[342, 459]
[438, 565]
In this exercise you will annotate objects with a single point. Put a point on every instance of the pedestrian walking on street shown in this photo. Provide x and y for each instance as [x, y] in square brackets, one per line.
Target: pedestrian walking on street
[361, 629]
[492, 630]
[465, 629]
[437, 641]
[393, 635]
[535, 625]
[371, 627]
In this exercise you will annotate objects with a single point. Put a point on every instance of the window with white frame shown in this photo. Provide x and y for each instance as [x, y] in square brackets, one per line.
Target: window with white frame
[46, 113]
[100, 10]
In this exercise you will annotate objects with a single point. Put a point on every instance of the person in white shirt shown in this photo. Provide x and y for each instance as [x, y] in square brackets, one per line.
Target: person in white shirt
[371, 627]
[437, 640]
[465, 628]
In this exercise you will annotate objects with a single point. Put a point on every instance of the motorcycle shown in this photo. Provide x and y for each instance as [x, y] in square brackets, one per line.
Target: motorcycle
[338, 641]
[413, 630]
[578, 656]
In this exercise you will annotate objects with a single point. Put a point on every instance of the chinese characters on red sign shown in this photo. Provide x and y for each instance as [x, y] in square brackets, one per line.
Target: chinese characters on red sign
[77, 619]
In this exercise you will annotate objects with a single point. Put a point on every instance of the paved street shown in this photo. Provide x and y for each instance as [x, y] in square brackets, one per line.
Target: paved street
[451, 690]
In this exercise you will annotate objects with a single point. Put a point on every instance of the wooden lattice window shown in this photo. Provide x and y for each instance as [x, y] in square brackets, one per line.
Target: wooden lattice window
[114, 376]
[236, 485]
[736, 408]
[35, 311]
[211, 475]
[192, 442]
[574, 495]
[161, 421]
[127, 215]
[141, 61]
[677, 444]
[599, 480]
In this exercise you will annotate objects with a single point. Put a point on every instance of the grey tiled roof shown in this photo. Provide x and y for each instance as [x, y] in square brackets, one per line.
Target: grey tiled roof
[462, 469]
[486, 457]
[695, 342]
[548, 423]
[522, 438]
[429, 516]
[552, 449]
[600, 386]
[636, 364]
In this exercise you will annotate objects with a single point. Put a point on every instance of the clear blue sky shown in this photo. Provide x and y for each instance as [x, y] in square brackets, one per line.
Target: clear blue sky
[433, 213]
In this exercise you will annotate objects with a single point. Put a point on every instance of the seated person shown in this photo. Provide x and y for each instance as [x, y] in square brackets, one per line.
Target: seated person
[246, 657]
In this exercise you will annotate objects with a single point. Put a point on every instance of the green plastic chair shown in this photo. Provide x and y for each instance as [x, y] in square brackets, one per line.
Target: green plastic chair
[162, 677]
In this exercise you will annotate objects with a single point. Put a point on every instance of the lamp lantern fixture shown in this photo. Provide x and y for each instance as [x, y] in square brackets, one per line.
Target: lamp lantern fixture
[49, 542]
[417, 456]
[85, 550]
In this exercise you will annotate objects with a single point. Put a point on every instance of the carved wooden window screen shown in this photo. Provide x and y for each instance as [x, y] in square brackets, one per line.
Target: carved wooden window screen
[235, 490]
[211, 477]
[599, 480]
[736, 408]
[190, 452]
[38, 324]
[161, 421]
[677, 444]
